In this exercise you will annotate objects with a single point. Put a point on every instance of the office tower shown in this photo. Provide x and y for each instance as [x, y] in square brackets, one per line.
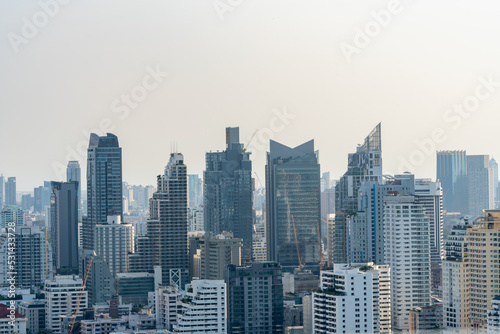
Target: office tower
[38, 199]
[113, 242]
[228, 197]
[482, 262]
[11, 214]
[100, 283]
[327, 203]
[364, 165]
[8, 325]
[196, 220]
[195, 190]
[217, 252]
[480, 184]
[104, 184]
[26, 202]
[494, 166]
[2, 190]
[134, 287]
[452, 173]
[168, 222]
[32, 254]
[325, 181]
[10, 191]
[455, 287]
[406, 230]
[430, 195]
[62, 295]
[64, 225]
[349, 300]
[293, 205]
[254, 298]
[73, 173]
[205, 310]
[34, 312]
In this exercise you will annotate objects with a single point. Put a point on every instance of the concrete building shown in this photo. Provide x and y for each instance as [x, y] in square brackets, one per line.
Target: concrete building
[104, 184]
[34, 312]
[9, 326]
[195, 185]
[255, 298]
[481, 185]
[293, 205]
[493, 319]
[113, 242]
[407, 252]
[73, 173]
[452, 173]
[100, 282]
[134, 287]
[348, 301]
[64, 225]
[217, 252]
[10, 191]
[167, 306]
[204, 308]
[63, 294]
[2, 190]
[228, 192]
[11, 214]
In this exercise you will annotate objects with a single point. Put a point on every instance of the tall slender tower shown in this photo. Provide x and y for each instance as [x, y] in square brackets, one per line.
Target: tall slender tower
[452, 173]
[228, 192]
[364, 165]
[167, 226]
[73, 173]
[10, 191]
[293, 205]
[104, 184]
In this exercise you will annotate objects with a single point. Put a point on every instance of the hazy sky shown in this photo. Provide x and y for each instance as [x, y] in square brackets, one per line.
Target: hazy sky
[239, 63]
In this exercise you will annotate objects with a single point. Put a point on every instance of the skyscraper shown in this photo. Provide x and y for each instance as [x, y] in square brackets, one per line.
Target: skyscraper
[64, 225]
[73, 173]
[2, 190]
[494, 167]
[10, 191]
[195, 190]
[167, 225]
[228, 192]
[104, 184]
[480, 184]
[293, 205]
[452, 173]
[364, 165]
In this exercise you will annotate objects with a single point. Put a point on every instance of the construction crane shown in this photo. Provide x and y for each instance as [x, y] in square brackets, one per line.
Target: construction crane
[301, 265]
[89, 266]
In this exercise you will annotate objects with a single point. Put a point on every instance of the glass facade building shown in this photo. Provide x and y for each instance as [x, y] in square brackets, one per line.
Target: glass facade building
[228, 192]
[452, 173]
[293, 205]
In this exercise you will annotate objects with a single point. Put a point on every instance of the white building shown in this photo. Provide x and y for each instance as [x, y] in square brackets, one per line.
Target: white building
[349, 300]
[61, 297]
[494, 316]
[9, 326]
[407, 252]
[114, 241]
[205, 309]
[167, 307]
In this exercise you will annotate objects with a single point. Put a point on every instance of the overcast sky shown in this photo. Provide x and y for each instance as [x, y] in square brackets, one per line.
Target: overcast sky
[242, 63]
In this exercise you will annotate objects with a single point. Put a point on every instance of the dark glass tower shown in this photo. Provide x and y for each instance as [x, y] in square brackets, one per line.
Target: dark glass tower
[228, 192]
[293, 189]
[64, 225]
[452, 173]
[10, 191]
[104, 184]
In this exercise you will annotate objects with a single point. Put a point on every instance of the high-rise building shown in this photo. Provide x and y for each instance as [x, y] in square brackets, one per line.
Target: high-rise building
[205, 308]
[73, 173]
[167, 225]
[63, 295]
[11, 214]
[407, 252]
[64, 225]
[480, 184]
[31, 254]
[254, 298]
[2, 190]
[217, 252]
[26, 202]
[104, 184]
[113, 242]
[228, 192]
[100, 283]
[38, 199]
[168, 305]
[452, 173]
[293, 205]
[195, 190]
[353, 300]
[364, 165]
[10, 191]
[494, 167]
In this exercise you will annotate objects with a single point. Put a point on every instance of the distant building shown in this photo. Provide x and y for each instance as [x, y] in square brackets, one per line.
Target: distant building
[452, 173]
[255, 298]
[481, 186]
[2, 190]
[26, 202]
[228, 192]
[293, 205]
[494, 167]
[100, 283]
[195, 185]
[10, 191]
[73, 173]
